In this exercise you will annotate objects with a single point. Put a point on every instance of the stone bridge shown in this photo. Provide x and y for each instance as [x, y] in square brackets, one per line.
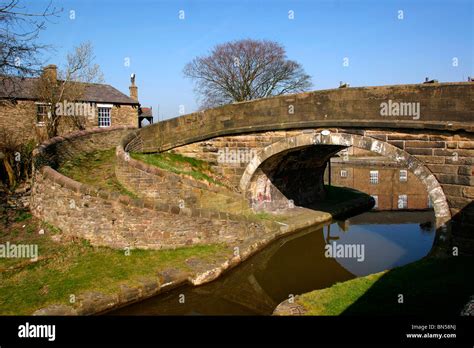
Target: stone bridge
[427, 128]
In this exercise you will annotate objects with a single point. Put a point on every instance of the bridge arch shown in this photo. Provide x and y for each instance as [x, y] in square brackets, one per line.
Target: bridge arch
[383, 148]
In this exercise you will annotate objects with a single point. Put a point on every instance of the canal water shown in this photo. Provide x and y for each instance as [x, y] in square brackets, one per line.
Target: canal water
[315, 258]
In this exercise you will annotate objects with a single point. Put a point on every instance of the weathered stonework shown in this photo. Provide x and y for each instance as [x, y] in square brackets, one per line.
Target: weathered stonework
[437, 146]
[19, 120]
[109, 219]
[164, 186]
[447, 172]
[444, 107]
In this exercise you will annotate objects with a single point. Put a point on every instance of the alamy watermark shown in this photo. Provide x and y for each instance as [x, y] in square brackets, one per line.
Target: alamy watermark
[345, 251]
[26, 251]
[81, 109]
[406, 109]
[28, 330]
[227, 155]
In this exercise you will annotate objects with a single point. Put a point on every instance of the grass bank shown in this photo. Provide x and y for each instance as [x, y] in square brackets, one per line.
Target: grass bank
[179, 164]
[95, 169]
[68, 267]
[430, 287]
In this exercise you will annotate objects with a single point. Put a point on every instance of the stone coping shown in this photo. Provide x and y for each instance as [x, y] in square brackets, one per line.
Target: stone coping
[340, 107]
[70, 184]
[120, 153]
[66, 182]
[40, 149]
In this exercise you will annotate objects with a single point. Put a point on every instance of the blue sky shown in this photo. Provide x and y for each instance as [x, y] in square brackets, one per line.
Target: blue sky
[382, 49]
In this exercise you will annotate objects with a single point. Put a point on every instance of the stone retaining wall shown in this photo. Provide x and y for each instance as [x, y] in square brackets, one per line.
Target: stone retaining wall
[110, 219]
[162, 185]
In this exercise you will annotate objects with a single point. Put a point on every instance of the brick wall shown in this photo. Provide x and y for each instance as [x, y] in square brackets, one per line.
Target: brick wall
[219, 151]
[387, 189]
[124, 115]
[450, 157]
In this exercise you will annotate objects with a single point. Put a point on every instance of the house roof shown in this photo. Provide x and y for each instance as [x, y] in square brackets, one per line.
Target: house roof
[146, 112]
[24, 88]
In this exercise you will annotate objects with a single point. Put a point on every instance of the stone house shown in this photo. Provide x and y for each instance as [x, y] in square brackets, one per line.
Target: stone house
[102, 105]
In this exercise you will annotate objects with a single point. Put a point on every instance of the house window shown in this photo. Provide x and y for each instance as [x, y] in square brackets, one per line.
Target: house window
[104, 116]
[376, 199]
[343, 173]
[402, 202]
[403, 175]
[42, 110]
[374, 176]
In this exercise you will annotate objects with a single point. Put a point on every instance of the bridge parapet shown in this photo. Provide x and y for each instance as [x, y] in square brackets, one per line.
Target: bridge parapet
[433, 123]
[446, 107]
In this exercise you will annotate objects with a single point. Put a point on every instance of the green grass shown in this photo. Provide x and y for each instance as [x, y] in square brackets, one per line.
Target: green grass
[429, 287]
[264, 216]
[179, 164]
[95, 169]
[22, 216]
[69, 267]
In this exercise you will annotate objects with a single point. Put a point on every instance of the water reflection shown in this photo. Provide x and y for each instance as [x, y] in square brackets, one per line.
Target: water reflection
[299, 263]
[390, 239]
[392, 187]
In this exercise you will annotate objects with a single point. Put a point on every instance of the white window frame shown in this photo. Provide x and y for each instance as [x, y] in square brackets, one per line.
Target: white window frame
[376, 199]
[374, 177]
[101, 119]
[402, 202]
[403, 175]
[41, 123]
[343, 173]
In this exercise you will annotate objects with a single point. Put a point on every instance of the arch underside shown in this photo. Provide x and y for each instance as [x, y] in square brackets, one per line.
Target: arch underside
[286, 151]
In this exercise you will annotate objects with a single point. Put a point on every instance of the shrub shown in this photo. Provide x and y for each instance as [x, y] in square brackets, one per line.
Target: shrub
[15, 158]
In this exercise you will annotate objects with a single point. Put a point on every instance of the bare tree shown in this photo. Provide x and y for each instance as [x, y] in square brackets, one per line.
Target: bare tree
[69, 86]
[19, 29]
[245, 70]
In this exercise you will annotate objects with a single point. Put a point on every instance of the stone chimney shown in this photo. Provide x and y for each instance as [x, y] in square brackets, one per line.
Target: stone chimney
[133, 88]
[51, 73]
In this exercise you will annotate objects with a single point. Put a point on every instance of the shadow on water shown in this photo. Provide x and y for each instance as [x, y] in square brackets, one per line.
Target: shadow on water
[299, 263]
[444, 282]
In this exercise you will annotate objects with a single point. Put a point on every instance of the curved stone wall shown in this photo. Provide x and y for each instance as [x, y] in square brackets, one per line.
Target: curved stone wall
[110, 219]
[162, 185]
[443, 106]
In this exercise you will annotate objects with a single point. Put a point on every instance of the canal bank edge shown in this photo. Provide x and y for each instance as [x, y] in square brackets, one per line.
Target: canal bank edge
[96, 303]
[351, 297]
